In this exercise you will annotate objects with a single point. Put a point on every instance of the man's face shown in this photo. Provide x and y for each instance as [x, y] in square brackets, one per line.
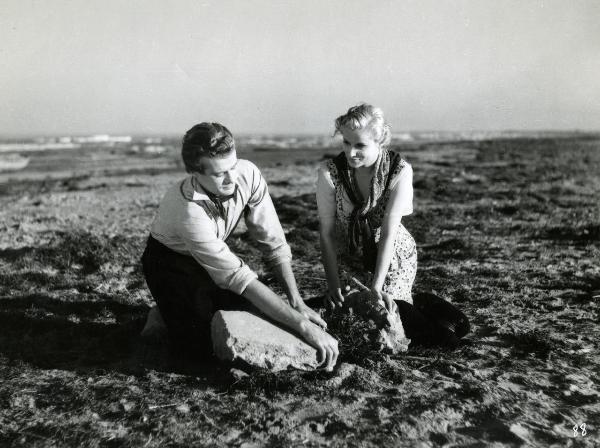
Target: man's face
[219, 174]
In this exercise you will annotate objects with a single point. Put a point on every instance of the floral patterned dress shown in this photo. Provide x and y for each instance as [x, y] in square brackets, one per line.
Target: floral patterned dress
[335, 204]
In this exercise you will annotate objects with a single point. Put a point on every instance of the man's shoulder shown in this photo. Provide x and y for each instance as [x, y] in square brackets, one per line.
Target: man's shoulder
[179, 199]
[247, 167]
[174, 192]
[249, 176]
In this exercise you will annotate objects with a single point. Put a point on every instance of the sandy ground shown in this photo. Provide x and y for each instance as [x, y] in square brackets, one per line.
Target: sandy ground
[508, 230]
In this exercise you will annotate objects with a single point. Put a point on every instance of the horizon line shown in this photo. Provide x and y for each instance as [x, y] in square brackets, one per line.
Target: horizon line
[169, 134]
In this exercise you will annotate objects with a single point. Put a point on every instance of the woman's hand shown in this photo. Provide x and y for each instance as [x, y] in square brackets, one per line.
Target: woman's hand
[384, 299]
[334, 298]
[309, 313]
[326, 345]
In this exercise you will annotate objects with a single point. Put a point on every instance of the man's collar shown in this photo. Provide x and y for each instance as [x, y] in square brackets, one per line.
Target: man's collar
[199, 196]
[193, 191]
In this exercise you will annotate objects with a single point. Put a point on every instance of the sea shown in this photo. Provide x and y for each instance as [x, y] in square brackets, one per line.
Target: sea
[56, 157]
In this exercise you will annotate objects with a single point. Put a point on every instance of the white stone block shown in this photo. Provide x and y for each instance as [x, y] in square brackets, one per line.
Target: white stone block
[258, 342]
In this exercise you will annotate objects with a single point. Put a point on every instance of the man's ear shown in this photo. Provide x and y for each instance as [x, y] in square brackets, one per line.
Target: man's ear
[201, 170]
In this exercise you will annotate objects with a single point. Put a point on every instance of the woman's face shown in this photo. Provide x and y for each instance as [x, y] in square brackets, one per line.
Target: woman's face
[360, 148]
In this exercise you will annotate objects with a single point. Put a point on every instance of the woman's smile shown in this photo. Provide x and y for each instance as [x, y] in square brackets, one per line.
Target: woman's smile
[360, 148]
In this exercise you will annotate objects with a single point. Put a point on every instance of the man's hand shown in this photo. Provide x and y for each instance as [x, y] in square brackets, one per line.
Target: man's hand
[326, 345]
[334, 298]
[261, 296]
[309, 313]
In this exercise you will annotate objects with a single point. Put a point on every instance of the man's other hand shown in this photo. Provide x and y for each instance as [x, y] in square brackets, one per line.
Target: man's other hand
[309, 313]
[326, 345]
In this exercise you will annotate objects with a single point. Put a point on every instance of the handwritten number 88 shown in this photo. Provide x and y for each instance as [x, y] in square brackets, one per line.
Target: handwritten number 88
[576, 428]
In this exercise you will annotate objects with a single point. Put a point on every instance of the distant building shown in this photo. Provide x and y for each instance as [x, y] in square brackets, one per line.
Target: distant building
[104, 138]
[155, 149]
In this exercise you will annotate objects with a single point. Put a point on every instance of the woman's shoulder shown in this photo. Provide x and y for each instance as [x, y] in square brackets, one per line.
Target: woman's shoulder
[325, 166]
[330, 160]
[403, 168]
[329, 166]
[403, 172]
[326, 174]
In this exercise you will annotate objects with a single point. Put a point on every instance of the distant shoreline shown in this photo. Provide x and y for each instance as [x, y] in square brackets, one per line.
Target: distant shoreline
[283, 141]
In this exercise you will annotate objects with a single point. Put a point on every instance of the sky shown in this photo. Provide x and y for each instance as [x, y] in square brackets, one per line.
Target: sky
[257, 66]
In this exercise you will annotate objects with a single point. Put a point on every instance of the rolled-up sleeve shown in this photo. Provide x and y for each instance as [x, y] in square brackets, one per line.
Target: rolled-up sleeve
[325, 196]
[263, 223]
[223, 266]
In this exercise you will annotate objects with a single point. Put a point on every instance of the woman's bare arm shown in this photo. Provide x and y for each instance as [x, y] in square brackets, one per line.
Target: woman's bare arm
[389, 231]
[329, 258]
[326, 205]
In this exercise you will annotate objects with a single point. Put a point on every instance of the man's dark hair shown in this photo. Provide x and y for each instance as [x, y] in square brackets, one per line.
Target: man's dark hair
[205, 140]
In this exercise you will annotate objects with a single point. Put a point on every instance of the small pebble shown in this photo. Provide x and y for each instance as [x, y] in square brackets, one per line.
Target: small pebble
[183, 408]
[238, 374]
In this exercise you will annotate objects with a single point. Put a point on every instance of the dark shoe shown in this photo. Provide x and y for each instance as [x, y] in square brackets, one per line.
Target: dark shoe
[442, 312]
[155, 329]
[417, 327]
[422, 330]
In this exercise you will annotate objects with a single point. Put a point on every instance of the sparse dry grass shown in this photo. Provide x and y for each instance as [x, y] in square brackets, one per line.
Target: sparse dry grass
[508, 230]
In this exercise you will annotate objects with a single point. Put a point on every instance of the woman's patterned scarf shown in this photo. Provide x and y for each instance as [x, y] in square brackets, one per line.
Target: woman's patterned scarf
[360, 225]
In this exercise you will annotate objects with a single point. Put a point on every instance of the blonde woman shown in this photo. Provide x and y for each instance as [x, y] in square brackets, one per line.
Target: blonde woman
[362, 195]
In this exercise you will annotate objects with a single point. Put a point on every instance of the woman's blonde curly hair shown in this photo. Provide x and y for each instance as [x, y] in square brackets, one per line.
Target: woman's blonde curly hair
[366, 116]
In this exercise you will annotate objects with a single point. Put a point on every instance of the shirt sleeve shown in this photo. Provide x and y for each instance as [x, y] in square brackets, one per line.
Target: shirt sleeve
[224, 267]
[263, 223]
[325, 195]
[400, 202]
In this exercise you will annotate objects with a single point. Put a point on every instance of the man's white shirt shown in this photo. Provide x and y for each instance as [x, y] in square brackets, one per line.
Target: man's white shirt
[190, 223]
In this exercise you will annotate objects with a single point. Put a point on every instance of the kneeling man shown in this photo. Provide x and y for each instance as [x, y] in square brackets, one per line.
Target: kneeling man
[190, 270]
